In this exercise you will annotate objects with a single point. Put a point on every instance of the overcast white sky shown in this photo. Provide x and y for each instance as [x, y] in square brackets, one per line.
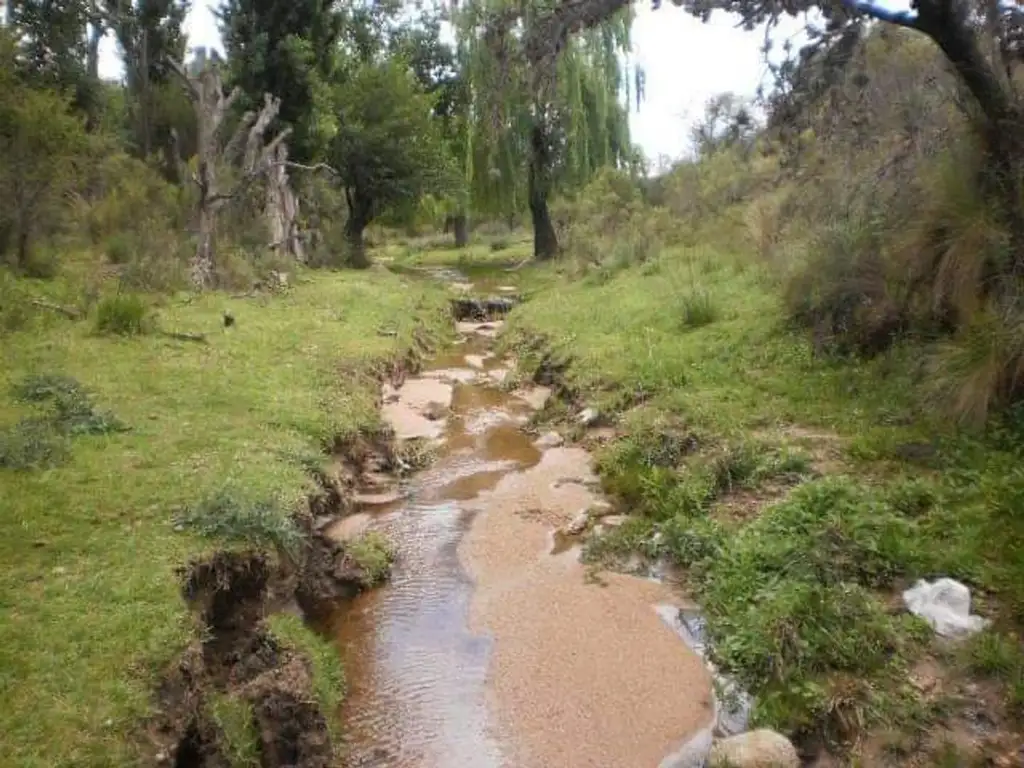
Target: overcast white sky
[685, 63]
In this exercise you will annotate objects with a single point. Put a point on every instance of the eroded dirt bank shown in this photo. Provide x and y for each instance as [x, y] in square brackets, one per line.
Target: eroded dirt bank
[490, 646]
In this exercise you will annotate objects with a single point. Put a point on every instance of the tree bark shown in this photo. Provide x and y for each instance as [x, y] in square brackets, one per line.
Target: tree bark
[545, 241]
[460, 223]
[360, 214]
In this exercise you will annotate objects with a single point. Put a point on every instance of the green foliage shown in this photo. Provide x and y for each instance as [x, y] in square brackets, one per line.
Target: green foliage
[42, 146]
[229, 516]
[291, 51]
[41, 441]
[235, 720]
[373, 554]
[698, 309]
[388, 148]
[328, 675]
[123, 315]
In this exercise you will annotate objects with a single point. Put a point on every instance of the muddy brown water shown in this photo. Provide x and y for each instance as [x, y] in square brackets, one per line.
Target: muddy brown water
[489, 646]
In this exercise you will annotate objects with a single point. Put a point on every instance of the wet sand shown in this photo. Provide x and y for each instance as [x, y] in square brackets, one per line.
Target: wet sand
[580, 674]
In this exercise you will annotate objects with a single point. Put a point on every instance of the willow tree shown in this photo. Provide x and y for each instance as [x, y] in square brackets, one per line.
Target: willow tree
[532, 129]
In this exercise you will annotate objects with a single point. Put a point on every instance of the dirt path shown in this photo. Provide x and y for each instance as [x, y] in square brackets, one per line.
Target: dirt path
[486, 649]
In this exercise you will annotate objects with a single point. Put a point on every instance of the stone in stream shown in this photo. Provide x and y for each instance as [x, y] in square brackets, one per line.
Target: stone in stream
[578, 524]
[476, 361]
[348, 528]
[762, 748]
[588, 417]
[380, 499]
[549, 440]
[468, 308]
[600, 509]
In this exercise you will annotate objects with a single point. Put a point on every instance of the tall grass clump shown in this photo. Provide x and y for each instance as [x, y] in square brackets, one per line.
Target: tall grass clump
[123, 315]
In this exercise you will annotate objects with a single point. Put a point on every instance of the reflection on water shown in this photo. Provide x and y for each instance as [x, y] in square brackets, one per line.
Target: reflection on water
[415, 673]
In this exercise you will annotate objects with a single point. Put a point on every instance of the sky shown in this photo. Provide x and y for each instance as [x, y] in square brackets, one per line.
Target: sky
[685, 62]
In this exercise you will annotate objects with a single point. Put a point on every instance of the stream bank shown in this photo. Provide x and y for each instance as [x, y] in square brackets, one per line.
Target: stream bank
[490, 645]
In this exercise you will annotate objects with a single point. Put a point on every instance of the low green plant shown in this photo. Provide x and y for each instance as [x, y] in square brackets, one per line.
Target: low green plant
[123, 315]
[697, 309]
[32, 444]
[121, 248]
[327, 671]
[229, 516]
[374, 555]
[235, 719]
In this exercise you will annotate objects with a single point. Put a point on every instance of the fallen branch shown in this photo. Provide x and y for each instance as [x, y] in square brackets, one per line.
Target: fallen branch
[199, 338]
[68, 312]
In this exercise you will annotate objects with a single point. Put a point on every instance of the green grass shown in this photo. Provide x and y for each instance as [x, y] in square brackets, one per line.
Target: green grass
[796, 591]
[91, 606]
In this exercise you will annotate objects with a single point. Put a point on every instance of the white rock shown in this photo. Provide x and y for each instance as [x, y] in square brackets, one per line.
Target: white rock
[549, 440]
[600, 508]
[756, 749]
[614, 521]
[578, 524]
[588, 417]
[946, 605]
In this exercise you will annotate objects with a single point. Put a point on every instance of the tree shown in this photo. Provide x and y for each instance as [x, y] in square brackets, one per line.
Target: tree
[549, 126]
[727, 122]
[291, 49]
[983, 41]
[388, 149]
[150, 35]
[213, 155]
[42, 144]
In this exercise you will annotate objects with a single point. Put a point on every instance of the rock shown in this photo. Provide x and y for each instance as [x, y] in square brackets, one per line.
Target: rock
[614, 521]
[435, 411]
[588, 417]
[349, 527]
[578, 524]
[945, 605]
[755, 749]
[549, 440]
[475, 361]
[600, 508]
[378, 499]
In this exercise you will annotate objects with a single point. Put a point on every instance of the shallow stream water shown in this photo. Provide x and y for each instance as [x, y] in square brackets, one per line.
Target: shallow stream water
[490, 646]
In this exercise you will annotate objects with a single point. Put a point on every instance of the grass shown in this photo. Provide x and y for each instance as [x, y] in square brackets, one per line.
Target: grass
[796, 592]
[373, 555]
[91, 606]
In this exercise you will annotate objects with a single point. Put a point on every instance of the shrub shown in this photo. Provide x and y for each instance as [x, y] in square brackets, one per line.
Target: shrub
[698, 309]
[373, 554]
[120, 248]
[229, 516]
[122, 315]
[32, 444]
[72, 410]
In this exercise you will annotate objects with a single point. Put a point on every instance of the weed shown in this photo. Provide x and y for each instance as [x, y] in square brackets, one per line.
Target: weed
[235, 719]
[229, 517]
[73, 411]
[735, 468]
[373, 554]
[327, 672]
[697, 309]
[32, 444]
[122, 315]
[992, 654]
[121, 248]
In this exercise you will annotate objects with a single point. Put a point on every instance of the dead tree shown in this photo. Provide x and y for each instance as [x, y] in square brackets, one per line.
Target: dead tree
[260, 159]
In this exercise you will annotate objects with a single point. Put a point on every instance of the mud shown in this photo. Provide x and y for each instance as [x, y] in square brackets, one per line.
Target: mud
[490, 647]
[235, 655]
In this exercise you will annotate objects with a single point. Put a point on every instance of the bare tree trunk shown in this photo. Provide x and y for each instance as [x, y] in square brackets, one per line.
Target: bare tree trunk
[282, 208]
[212, 106]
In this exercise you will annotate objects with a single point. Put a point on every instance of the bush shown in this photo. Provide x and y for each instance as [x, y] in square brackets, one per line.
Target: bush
[121, 248]
[32, 444]
[698, 309]
[123, 315]
[229, 516]
[373, 554]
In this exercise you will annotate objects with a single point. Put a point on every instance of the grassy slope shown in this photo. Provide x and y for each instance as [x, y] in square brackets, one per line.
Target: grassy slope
[90, 603]
[743, 384]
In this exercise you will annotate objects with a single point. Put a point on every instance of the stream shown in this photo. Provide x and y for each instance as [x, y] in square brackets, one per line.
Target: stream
[490, 646]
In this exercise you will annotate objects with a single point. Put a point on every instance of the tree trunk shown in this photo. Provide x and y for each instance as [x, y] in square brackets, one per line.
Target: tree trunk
[282, 207]
[545, 241]
[202, 261]
[461, 226]
[359, 216]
